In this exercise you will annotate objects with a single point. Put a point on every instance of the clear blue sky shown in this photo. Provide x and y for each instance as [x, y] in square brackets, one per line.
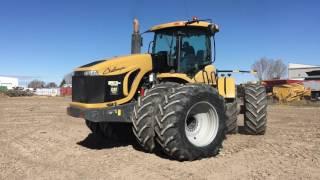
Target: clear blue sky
[47, 39]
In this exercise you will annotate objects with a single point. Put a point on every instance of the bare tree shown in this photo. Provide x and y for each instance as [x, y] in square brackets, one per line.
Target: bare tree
[261, 66]
[36, 84]
[269, 69]
[51, 85]
[277, 69]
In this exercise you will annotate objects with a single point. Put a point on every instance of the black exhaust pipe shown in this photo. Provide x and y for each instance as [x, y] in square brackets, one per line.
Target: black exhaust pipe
[136, 39]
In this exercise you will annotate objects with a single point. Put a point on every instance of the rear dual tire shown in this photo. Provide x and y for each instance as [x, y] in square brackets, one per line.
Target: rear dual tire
[255, 105]
[231, 114]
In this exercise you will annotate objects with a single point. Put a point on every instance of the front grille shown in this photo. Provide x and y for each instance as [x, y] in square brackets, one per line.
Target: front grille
[95, 89]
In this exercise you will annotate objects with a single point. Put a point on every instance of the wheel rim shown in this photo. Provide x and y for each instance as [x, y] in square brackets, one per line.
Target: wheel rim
[201, 124]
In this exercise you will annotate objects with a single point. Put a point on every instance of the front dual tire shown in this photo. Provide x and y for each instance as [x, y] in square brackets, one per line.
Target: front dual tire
[144, 113]
[186, 121]
[191, 122]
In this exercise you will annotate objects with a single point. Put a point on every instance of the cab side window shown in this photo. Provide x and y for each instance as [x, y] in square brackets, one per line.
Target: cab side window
[194, 52]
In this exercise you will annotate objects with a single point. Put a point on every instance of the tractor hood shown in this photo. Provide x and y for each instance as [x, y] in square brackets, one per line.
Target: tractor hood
[118, 65]
[108, 82]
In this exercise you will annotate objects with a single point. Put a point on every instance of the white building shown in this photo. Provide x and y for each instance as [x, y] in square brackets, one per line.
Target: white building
[8, 82]
[298, 71]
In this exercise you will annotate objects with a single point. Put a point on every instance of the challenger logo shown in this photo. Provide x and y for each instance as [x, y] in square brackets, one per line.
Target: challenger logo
[112, 69]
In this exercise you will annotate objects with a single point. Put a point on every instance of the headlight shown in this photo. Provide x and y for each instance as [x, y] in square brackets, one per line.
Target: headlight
[90, 73]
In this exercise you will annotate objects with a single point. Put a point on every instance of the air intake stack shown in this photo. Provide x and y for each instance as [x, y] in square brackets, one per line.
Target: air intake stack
[136, 40]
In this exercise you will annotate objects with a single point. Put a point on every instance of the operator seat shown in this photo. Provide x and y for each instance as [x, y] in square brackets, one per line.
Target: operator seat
[187, 49]
[200, 55]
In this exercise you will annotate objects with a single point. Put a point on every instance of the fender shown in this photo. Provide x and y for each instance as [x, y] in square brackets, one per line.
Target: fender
[227, 87]
[207, 76]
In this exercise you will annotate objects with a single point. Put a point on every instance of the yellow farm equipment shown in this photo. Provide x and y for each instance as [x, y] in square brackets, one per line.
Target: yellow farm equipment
[290, 92]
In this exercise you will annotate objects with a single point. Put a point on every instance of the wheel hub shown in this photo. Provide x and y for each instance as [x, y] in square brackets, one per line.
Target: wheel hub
[192, 124]
[201, 124]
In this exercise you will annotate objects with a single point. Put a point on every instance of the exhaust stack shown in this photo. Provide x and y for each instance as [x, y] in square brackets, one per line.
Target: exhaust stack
[136, 40]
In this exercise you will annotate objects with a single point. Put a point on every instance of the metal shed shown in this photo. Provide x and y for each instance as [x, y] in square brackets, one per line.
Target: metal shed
[299, 71]
[8, 82]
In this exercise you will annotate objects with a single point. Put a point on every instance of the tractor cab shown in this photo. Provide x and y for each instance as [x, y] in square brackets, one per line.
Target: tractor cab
[183, 46]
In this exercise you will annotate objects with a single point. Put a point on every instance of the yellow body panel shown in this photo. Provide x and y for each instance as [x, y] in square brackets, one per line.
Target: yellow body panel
[121, 64]
[88, 106]
[227, 87]
[143, 63]
[116, 66]
[182, 76]
[125, 82]
[206, 76]
[179, 24]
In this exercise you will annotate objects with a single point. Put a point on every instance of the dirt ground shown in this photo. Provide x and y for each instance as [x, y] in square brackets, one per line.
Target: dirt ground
[39, 141]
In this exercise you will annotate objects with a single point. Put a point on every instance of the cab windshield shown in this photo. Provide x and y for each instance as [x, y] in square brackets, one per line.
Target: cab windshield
[187, 50]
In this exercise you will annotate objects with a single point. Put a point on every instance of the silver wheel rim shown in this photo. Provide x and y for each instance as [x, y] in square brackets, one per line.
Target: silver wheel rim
[201, 124]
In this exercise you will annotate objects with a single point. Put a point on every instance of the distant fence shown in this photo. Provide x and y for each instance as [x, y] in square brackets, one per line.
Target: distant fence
[65, 91]
[47, 92]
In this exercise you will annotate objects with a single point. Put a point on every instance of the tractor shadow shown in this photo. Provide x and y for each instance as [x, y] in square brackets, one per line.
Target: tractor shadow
[98, 142]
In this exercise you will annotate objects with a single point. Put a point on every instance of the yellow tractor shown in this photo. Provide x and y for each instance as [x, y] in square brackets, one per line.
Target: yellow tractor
[174, 98]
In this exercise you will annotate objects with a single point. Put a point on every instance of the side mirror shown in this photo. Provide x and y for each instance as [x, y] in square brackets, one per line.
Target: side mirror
[141, 41]
[213, 28]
